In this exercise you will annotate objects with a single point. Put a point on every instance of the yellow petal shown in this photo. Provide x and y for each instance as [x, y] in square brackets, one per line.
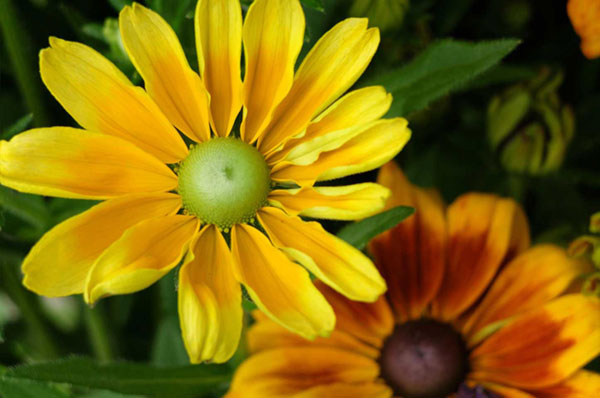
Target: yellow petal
[541, 347]
[58, 264]
[335, 62]
[370, 323]
[282, 289]
[332, 260]
[144, 253]
[357, 108]
[350, 202]
[156, 53]
[353, 153]
[273, 36]
[210, 299]
[285, 372]
[101, 99]
[218, 25]
[74, 163]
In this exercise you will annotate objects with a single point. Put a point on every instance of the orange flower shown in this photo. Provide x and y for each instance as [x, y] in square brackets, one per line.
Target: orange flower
[472, 311]
[585, 17]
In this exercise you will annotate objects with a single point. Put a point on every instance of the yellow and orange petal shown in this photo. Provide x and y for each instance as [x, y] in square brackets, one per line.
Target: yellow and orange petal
[156, 53]
[73, 163]
[101, 99]
[73, 246]
[210, 299]
[542, 347]
[140, 257]
[414, 269]
[484, 232]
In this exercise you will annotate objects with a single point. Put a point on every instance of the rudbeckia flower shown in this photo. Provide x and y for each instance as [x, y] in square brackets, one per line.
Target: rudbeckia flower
[230, 204]
[472, 311]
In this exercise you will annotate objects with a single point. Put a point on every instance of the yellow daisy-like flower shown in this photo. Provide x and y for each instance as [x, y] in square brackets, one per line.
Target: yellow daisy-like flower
[472, 311]
[213, 205]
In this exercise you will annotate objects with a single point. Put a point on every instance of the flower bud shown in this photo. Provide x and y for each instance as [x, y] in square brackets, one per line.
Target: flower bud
[528, 126]
[385, 14]
[587, 248]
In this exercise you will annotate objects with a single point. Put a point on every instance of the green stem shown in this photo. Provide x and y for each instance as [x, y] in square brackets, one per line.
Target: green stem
[98, 332]
[25, 302]
[517, 187]
[18, 46]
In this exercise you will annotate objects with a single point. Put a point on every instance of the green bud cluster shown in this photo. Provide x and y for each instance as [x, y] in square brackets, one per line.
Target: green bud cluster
[528, 126]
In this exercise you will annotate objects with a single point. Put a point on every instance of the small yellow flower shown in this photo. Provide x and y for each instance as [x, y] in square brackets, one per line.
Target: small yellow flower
[585, 17]
[471, 311]
[230, 204]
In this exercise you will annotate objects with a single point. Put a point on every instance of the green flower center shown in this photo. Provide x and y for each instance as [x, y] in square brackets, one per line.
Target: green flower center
[224, 181]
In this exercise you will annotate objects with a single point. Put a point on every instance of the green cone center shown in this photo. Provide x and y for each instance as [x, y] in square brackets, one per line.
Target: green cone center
[224, 181]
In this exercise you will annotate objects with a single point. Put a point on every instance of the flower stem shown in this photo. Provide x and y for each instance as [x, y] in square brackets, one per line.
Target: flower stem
[98, 333]
[25, 302]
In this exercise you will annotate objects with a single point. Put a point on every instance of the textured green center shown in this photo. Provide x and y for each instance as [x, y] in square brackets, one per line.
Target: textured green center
[224, 181]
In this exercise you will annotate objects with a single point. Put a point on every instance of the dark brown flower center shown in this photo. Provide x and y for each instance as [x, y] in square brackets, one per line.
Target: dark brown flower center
[424, 358]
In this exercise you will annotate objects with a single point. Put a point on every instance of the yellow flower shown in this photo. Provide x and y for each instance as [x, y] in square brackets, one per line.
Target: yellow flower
[471, 311]
[213, 204]
[585, 17]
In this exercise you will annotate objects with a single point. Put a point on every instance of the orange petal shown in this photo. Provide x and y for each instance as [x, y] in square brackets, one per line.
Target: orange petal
[350, 390]
[411, 255]
[583, 384]
[542, 347]
[506, 392]
[484, 232]
[529, 281]
[266, 334]
[284, 372]
[369, 322]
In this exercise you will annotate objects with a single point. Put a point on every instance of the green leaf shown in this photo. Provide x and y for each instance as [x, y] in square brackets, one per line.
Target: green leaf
[168, 348]
[22, 388]
[28, 208]
[18, 126]
[130, 378]
[316, 4]
[360, 233]
[443, 67]
[118, 5]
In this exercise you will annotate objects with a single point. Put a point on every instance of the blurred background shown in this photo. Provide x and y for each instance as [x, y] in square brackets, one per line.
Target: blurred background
[527, 128]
